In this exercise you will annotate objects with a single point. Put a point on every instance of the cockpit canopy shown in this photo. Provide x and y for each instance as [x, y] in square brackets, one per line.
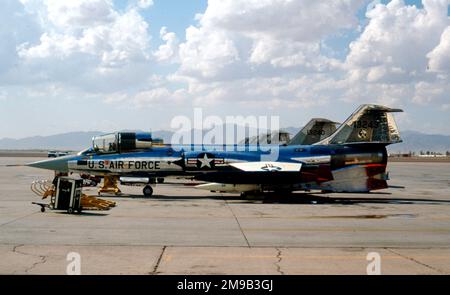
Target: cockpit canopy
[123, 142]
[106, 143]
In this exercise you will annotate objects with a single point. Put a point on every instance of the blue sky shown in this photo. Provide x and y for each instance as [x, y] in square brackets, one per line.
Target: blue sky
[101, 65]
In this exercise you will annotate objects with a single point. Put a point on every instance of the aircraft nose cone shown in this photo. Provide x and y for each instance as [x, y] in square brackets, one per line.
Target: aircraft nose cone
[57, 164]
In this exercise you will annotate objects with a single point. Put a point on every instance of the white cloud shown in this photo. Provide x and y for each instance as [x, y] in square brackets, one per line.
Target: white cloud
[206, 53]
[240, 48]
[114, 39]
[151, 97]
[237, 38]
[395, 58]
[17, 27]
[169, 50]
[264, 52]
[88, 46]
[240, 54]
[144, 4]
[148, 98]
[394, 45]
[301, 20]
[3, 95]
[439, 57]
[432, 93]
[76, 14]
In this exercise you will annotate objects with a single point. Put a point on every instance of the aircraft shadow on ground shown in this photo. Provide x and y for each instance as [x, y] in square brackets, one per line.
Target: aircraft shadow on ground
[85, 213]
[298, 198]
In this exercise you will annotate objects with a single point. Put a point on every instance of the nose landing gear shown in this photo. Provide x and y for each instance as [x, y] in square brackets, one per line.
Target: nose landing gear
[148, 191]
[110, 185]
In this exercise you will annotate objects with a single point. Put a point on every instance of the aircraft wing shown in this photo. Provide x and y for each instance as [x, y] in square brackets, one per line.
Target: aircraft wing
[267, 166]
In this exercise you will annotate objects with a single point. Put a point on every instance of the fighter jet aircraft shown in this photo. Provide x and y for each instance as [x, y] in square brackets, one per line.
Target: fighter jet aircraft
[352, 159]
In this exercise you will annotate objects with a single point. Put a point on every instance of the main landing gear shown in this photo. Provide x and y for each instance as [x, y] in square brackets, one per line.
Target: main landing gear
[148, 189]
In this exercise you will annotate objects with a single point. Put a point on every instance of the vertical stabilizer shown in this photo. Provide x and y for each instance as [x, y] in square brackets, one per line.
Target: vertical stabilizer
[314, 131]
[368, 124]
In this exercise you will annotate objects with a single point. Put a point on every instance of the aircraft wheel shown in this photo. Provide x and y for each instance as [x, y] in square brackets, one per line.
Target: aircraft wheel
[42, 209]
[148, 191]
[70, 210]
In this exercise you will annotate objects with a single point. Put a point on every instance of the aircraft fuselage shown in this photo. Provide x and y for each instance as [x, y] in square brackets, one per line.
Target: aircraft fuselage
[319, 165]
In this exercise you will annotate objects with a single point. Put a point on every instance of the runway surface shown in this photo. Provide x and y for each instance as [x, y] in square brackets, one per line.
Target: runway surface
[182, 230]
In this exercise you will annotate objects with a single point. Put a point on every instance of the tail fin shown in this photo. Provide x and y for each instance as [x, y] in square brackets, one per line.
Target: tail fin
[275, 137]
[368, 124]
[314, 131]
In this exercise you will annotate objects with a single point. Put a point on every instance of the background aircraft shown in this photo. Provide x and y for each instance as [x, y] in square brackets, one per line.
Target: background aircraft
[352, 159]
[314, 131]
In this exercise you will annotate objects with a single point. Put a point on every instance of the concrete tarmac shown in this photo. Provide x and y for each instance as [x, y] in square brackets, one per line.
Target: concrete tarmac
[182, 230]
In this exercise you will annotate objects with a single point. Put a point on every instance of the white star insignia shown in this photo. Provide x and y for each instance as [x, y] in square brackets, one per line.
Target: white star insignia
[205, 161]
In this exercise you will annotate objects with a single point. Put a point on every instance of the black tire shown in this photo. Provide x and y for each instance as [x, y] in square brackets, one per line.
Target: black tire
[70, 210]
[42, 209]
[79, 211]
[148, 191]
[160, 179]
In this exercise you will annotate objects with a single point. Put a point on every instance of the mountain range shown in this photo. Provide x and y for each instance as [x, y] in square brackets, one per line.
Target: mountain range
[412, 141]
